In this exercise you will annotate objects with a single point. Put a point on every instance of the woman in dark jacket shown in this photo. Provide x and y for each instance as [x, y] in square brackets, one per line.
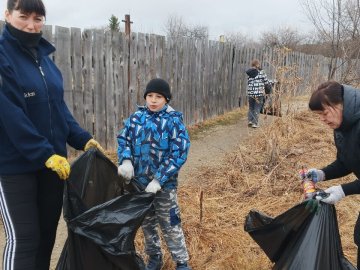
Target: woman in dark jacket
[35, 126]
[339, 107]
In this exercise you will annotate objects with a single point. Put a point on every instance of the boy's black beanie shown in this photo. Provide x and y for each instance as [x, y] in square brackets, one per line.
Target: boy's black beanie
[158, 86]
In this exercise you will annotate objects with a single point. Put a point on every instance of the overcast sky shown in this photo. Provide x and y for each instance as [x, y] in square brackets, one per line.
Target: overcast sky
[249, 17]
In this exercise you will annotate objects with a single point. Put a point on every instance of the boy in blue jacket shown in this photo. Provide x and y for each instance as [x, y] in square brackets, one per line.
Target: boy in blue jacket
[152, 147]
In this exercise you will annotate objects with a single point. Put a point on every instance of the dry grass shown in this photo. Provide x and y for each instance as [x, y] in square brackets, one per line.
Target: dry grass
[260, 174]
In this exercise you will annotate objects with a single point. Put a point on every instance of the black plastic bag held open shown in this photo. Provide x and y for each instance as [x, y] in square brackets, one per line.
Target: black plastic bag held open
[102, 217]
[300, 239]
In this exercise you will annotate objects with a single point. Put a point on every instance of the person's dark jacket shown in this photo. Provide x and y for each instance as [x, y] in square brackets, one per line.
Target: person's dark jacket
[256, 82]
[35, 122]
[252, 72]
[347, 141]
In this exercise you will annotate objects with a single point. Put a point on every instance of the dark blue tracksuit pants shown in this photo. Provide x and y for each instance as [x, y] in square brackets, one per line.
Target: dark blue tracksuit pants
[30, 206]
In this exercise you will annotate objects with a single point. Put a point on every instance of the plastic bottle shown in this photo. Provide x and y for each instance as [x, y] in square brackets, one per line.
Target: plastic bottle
[307, 184]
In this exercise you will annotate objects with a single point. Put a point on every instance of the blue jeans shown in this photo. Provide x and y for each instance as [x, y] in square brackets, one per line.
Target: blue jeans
[255, 104]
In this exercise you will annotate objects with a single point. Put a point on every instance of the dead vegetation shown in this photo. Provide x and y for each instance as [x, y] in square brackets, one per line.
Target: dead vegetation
[261, 174]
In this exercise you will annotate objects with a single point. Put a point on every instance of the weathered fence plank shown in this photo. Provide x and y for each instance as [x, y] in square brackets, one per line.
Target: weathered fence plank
[87, 76]
[120, 83]
[76, 66]
[63, 61]
[100, 93]
[110, 104]
[141, 76]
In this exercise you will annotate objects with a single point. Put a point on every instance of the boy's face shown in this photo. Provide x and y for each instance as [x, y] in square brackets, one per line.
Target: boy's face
[155, 102]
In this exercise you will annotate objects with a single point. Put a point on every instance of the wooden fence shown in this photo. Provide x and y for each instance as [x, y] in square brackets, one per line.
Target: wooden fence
[105, 74]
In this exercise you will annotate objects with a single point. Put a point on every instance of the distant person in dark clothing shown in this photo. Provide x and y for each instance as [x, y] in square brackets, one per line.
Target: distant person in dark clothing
[257, 80]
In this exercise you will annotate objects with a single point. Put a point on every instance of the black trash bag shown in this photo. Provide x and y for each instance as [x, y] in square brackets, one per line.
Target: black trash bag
[271, 105]
[268, 88]
[103, 214]
[300, 239]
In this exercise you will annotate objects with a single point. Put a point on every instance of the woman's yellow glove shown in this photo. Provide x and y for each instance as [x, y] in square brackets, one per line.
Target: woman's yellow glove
[60, 165]
[93, 143]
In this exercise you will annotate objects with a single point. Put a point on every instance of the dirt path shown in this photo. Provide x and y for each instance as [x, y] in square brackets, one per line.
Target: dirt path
[212, 146]
[208, 149]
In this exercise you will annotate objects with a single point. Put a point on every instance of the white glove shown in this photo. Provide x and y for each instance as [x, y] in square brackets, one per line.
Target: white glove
[336, 194]
[315, 175]
[153, 186]
[126, 169]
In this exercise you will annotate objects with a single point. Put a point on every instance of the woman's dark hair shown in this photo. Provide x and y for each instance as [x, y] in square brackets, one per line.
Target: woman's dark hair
[329, 93]
[27, 6]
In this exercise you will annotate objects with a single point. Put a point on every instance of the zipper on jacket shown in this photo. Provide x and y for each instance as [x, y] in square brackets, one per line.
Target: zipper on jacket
[47, 92]
[46, 86]
[41, 71]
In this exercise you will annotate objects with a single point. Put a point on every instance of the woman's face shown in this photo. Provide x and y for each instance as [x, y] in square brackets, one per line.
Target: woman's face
[332, 116]
[155, 102]
[27, 22]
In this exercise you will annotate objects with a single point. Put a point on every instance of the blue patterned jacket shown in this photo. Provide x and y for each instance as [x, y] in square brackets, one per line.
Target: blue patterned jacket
[157, 143]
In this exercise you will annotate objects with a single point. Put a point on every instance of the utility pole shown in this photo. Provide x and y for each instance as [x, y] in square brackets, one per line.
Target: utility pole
[127, 24]
[127, 34]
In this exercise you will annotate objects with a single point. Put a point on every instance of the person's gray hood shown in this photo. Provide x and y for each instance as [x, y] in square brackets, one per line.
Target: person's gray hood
[351, 109]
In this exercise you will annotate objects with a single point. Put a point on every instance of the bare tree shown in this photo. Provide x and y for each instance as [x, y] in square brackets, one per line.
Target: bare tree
[197, 31]
[240, 40]
[282, 37]
[176, 28]
[337, 28]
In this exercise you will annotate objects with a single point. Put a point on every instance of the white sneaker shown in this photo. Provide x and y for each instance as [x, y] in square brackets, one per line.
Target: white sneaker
[254, 126]
[250, 124]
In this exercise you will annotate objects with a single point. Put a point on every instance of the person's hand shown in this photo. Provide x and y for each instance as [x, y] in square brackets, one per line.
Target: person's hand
[336, 193]
[92, 143]
[153, 186]
[315, 175]
[126, 170]
[59, 165]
